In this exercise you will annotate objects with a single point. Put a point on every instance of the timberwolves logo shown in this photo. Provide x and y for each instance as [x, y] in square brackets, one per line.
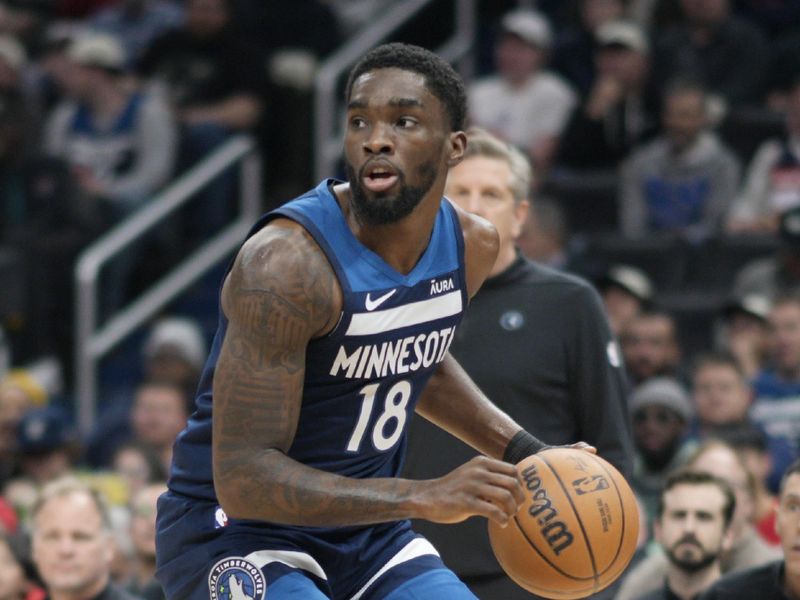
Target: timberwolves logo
[512, 320]
[236, 578]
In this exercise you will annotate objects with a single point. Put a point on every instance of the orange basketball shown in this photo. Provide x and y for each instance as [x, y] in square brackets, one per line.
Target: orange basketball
[576, 531]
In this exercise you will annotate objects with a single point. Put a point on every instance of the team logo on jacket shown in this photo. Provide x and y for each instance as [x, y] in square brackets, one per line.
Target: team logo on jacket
[236, 578]
[512, 320]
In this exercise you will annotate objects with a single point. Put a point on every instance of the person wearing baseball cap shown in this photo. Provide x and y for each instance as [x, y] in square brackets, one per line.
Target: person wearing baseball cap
[621, 108]
[626, 291]
[522, 101]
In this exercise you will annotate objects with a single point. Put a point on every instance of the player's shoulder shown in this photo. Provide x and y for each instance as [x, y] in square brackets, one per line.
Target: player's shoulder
[282, 261]
[280, 246]
[480, 236]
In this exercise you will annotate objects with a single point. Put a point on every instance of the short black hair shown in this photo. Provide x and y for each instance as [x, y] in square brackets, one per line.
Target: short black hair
[688, 476]
[717, 358]
[792, 469]
[441, 79]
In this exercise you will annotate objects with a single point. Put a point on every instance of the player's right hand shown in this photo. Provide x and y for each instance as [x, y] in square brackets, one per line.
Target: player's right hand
[483, 486]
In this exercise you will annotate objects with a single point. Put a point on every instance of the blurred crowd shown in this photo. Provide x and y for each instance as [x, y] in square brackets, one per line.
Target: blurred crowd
[665, 141]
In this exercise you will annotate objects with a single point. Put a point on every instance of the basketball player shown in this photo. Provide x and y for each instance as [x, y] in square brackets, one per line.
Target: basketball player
[336, 313]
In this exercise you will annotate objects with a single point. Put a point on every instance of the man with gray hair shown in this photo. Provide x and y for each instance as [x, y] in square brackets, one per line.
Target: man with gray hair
[72, 542]
[535, 339]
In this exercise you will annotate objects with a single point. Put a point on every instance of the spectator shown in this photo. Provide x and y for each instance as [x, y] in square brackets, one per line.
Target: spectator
[544, 235]
[776, 580]
[136, 23]
[47, 446]
[751, 444]
[729, 55]
[722, 398]
[143, 536]
[215, 83]
[17, 128]
[160, 411]
[47, 450]
[660, 410]
[692, 526]
[535, 339]
[650, 346]
[19, 393]
[67, 511]
[747, 549]
[523, 103]
[137, 465]
[120, 143]
[619, 111]
[772, 182]
[778, 274]
[681, 182]
[626, 292]
[743, 331]
[175, 350]
[574, 46]
[777, 388]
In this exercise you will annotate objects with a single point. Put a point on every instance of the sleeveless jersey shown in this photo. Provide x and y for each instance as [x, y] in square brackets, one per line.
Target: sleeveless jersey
[362, 379]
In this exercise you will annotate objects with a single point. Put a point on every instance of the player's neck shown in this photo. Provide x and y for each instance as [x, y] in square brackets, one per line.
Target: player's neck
[400, 244]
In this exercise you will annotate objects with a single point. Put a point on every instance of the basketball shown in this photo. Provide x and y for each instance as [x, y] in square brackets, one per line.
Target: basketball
[576, 531]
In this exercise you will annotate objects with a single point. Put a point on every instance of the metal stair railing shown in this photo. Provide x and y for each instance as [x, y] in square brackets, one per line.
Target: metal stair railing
[93, 342]
[327, 106]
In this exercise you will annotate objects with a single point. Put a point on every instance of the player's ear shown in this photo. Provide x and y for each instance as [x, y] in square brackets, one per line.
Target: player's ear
[458, 146]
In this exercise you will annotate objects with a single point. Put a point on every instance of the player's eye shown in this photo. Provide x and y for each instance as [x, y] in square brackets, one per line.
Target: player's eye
[406, 122]
[357, 123]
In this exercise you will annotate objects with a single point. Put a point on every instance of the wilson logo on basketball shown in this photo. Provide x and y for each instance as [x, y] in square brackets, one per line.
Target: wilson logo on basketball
[587, 485]
[553, 530]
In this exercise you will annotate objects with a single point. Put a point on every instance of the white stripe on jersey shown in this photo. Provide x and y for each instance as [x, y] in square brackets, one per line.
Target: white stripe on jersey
[414, 548]
[298, 560]
[414, 313]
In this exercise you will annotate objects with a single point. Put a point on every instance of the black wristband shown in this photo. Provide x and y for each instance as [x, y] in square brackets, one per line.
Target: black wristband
[522, 445]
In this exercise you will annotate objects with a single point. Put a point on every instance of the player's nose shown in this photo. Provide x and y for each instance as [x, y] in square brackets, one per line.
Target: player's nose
[379, 140]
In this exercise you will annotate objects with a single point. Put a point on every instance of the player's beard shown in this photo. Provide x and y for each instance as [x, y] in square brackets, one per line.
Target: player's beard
[692, 565]
[383, 209]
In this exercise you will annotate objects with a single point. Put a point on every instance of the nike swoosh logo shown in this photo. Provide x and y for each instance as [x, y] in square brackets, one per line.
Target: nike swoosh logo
[373, 304]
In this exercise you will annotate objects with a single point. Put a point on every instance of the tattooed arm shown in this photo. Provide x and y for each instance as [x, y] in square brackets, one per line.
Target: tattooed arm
[281, 293]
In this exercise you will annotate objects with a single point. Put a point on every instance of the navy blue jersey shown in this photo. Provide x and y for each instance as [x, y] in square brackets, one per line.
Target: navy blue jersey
[362, 379]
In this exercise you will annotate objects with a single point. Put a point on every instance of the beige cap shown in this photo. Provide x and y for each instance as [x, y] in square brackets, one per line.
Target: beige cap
[12, 52]
[528, 25]
[623, 33]
[97, 50]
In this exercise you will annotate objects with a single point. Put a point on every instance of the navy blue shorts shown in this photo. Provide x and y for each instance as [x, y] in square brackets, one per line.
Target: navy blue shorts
[201, 555]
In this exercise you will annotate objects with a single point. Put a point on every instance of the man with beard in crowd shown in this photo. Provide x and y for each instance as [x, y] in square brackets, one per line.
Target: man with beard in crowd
[694, 515]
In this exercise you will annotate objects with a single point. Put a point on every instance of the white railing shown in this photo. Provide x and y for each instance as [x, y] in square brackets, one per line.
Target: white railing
[327, 104]
[93, 342]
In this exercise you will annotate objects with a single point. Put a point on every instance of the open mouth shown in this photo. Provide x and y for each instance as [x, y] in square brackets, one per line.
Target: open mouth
[379, 177]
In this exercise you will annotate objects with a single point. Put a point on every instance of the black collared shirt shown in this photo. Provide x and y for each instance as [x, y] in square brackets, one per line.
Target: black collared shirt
[664, 593]
[762, 583]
